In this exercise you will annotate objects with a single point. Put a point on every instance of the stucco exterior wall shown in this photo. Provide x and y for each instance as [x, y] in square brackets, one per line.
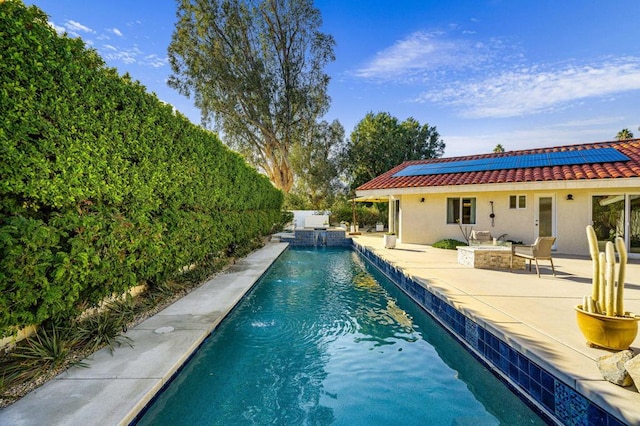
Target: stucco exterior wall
[426, 222]
[572, 218]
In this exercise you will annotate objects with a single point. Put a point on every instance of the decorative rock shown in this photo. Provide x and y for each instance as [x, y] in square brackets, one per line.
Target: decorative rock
[633, 368]
[613, 369]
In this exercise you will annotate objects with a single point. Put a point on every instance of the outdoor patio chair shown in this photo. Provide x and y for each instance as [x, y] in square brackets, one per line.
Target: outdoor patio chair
[480, 237]
[539, 250]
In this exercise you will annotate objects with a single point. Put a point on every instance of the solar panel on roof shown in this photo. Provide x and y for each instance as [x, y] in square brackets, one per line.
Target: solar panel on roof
[559, 158]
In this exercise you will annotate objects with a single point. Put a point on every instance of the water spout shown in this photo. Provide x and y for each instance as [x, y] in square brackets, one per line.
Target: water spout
[320, 236]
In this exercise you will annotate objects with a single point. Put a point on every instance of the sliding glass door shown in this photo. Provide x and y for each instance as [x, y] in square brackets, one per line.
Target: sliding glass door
[634, 224]
[617, 215]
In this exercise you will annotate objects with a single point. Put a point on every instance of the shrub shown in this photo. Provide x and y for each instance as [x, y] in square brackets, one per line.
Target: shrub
[365, 215]
[102, 329]
[449, 244]
[103, 186]
[45, 351]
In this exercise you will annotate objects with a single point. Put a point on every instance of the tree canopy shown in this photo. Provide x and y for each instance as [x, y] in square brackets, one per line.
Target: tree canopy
[316, 164]
[624, 134]
[380, 142]
[255, 71]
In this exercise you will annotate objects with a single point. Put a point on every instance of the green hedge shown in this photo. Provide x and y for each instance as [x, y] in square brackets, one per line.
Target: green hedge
[103, 186]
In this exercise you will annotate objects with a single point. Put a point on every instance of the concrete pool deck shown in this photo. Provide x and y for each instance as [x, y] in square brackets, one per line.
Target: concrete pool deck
[534, 314]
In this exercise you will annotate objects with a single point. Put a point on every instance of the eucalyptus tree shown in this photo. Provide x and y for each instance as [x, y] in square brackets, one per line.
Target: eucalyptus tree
[379, 142]
[315, 160]
[255, 70]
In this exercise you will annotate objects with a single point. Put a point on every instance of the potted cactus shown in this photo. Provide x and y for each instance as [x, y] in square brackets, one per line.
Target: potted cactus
[601, 317]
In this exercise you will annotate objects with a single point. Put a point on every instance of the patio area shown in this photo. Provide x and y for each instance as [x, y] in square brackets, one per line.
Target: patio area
[534, 315]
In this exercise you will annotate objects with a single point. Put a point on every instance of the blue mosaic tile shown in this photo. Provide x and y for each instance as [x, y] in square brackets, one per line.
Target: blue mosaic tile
[523, 363]
[523, 380]
[492, 341]
[513, 357]
[482, 348]
[493, 356]
[571, 408]
[547, 381]
[614, 422]
[428, 302]
[596, 417]
[471, 333]
[504, 356]
[504, 349]
[535, 390]
[535, 372]
[513, 372]
[548, 400]
[311, 238]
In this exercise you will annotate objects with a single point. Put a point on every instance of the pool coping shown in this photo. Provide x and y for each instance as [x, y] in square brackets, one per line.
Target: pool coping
[117, 386]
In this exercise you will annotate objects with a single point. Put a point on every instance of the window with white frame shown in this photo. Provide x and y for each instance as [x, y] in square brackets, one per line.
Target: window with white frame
[517, 201]
[461, 210]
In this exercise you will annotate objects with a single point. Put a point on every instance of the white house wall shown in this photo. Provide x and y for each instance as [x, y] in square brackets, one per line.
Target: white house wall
[426, 222]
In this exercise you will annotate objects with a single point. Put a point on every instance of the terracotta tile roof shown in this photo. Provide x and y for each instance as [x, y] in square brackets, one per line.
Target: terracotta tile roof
[612, 170]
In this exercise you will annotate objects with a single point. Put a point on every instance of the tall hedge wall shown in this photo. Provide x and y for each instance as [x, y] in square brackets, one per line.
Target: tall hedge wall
[102, 186]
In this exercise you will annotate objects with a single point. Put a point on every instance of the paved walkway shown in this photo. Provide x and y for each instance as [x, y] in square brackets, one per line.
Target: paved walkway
[534, 315]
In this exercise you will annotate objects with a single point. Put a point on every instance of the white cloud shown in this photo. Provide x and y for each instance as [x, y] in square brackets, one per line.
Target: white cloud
[59, 29]
[128, 56]
[74, 26]
[422, 54]
[533, 90]
[598, 122]
[116, 32]
[154, 61]
[132, 55]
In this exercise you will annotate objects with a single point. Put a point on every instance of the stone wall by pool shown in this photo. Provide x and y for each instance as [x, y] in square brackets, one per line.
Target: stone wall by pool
[317, 238]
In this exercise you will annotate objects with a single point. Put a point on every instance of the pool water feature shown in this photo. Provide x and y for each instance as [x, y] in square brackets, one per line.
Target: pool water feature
[320, 237]
[324, 338]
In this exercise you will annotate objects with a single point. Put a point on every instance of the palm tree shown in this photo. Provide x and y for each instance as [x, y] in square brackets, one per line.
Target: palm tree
[498, 148]
[624, 134]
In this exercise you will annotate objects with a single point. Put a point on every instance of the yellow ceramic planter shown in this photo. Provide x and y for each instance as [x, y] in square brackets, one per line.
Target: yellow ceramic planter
[608, 332]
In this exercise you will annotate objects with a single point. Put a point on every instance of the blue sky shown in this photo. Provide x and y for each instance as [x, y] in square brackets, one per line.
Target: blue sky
[520, 73]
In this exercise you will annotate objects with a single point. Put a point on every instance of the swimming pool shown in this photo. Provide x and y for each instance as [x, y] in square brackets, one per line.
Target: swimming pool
[324, 338]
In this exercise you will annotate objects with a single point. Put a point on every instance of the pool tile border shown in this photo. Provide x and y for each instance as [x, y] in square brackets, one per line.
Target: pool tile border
[549, 395]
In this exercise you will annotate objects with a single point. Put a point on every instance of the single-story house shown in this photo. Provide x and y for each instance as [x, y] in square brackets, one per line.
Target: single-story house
[555, 191]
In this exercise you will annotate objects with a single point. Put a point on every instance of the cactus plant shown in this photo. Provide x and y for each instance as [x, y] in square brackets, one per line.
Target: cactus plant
[601, 317]
[607, 293]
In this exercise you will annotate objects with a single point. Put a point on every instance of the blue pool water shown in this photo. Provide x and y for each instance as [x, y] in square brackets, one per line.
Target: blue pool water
[325, 339]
